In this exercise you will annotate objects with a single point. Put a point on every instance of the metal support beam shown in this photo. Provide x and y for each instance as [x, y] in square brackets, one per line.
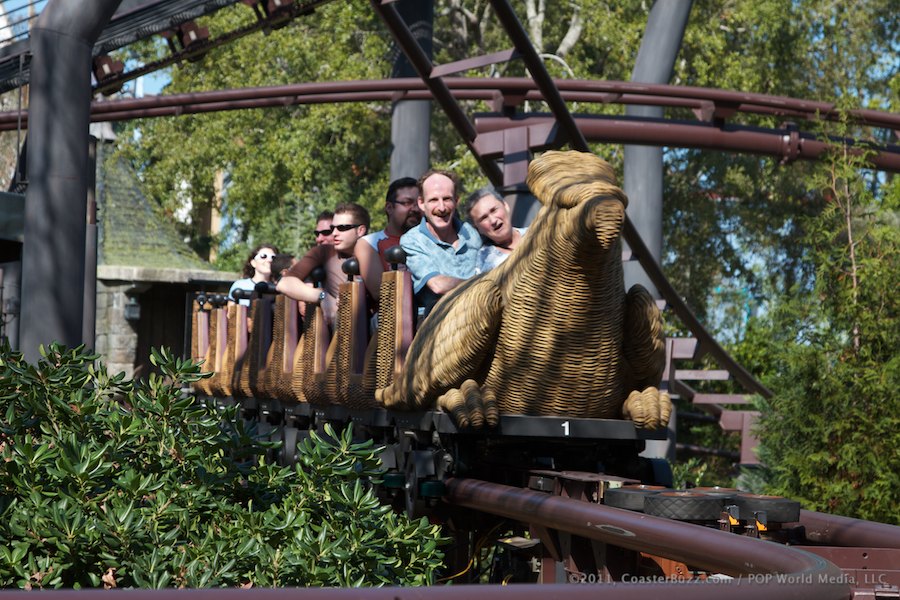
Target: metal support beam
[423, 66]
[55, 208]
[643, 171]
[411, 119]
[643, 180]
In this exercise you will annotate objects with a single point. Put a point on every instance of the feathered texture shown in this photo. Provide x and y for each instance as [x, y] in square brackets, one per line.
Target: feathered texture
[315, 339]
[205, 386]
[278, 381]
[550, 331]
[645, 342]
[251, 381]
[240, 344]
[221, 384]
[349, 383]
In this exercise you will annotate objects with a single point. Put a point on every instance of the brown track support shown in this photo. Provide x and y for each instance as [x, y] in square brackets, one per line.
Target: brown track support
[759, 569]
[835, 530]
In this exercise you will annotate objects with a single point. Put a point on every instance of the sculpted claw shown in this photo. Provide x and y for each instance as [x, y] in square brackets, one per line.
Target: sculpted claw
[454, 404]
[468, 405]
[649, 409]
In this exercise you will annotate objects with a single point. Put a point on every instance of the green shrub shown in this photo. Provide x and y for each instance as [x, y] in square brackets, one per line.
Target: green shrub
[830, 434]
[108, 482]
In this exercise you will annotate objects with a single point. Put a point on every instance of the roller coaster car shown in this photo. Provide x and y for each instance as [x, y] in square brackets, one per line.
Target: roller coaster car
[291, 375]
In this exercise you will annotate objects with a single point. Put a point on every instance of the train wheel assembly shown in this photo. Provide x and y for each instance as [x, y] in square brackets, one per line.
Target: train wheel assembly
[631, 497]
[777, 509]
[684, 506]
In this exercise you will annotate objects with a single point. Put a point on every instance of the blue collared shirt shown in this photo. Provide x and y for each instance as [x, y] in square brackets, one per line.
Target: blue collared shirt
[427, 256]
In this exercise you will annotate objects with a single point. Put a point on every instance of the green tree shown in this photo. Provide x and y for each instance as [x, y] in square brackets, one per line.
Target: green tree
[113, 483]
[285, 164]
[735, 221]
[281, 165]
[830, 436]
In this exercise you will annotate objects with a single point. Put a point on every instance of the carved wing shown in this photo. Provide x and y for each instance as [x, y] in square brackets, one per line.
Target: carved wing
[455, 343]
[644, 343]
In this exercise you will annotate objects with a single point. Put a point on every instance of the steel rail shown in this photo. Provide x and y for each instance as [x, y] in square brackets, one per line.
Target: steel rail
[467, 88]
[609, 91]
[759, 569]
[835, 530]
[787, 144]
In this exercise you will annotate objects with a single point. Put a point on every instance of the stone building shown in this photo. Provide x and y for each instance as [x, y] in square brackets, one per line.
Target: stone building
[146, 275]
[146, 278]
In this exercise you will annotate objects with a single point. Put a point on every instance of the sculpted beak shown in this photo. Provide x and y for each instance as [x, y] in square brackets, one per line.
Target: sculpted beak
[604, 217]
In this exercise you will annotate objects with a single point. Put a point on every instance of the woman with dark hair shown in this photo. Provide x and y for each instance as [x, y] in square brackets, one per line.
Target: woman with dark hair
[257, 268]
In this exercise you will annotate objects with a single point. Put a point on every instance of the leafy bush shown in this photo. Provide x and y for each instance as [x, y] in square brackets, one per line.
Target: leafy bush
[113, 483]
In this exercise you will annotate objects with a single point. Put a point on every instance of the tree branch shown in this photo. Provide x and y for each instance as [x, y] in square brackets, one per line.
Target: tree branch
[576, 24]
[535, 15]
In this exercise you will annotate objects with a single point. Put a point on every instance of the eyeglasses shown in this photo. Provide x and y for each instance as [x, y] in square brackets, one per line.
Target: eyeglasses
[319, 232]
[264, 256]
[404, 203]
[345, 227]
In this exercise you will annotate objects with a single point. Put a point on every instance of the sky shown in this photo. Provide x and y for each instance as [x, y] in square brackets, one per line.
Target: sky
[151, 84]
[17, 13]
[14, 20]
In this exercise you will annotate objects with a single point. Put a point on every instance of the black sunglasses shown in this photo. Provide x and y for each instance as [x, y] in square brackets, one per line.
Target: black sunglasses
[345, 226]
[319, 232]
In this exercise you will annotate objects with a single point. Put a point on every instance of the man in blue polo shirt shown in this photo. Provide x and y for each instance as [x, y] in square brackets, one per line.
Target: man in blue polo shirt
[441, 250]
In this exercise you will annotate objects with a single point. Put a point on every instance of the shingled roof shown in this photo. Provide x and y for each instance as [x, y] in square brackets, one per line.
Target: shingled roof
[136, 236]
[132, 232]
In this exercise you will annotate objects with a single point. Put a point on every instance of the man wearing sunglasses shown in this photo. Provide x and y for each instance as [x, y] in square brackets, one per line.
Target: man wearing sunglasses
[324, 229]
[351, 222]
[402, 210]
[441, 250]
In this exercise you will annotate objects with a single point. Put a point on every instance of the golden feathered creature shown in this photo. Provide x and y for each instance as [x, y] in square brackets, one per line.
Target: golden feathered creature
[551, 331]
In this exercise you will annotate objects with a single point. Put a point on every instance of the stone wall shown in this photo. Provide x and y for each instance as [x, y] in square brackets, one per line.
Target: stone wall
[116, 338]
[160, 293]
